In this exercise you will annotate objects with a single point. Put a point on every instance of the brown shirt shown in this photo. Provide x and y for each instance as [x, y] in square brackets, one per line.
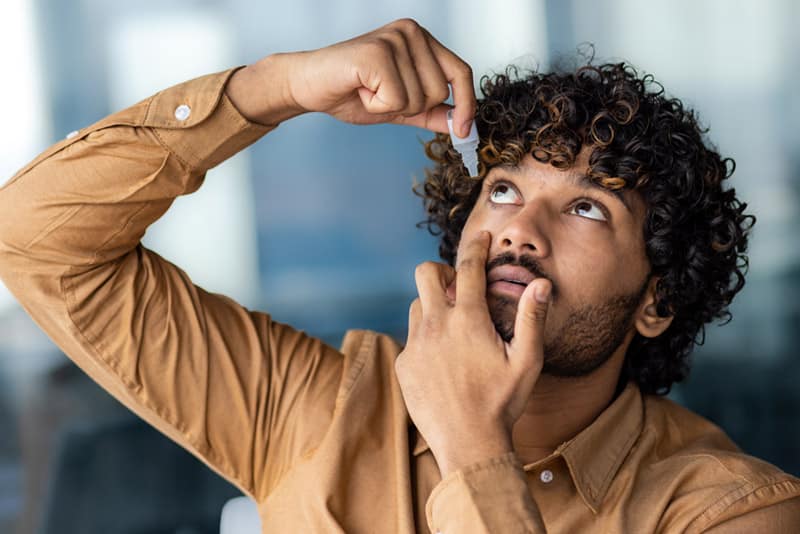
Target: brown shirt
[319, 437]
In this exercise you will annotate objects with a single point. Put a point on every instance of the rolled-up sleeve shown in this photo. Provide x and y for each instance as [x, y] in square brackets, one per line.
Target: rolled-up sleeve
[222, 381]
[486, 497]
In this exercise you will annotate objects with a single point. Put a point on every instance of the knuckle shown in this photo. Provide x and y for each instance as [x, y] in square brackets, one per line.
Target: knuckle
[529, 316]
[533, 315]
[396, 103]
[395, 37]
[416, 96]
[401, 100]
[378, 48]
[468, 264]
[416, 105]
[440, 93]
[407, 24]
[423, 269]
[464, 74]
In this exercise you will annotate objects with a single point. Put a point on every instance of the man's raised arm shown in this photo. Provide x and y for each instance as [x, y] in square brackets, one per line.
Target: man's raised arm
[224, 382]
[190, 363]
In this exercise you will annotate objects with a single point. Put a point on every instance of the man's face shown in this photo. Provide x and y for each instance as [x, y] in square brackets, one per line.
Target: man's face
[586, 240]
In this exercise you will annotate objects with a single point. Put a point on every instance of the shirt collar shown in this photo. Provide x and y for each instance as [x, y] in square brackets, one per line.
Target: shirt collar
[595, 455]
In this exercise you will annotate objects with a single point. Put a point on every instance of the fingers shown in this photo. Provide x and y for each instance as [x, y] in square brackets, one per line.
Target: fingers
[414, 317]
[412, 81]
[527, 346]
[419, 73]
[432, 280]
[459, 75]
[432, 78]
[383, 90]
[471, 268]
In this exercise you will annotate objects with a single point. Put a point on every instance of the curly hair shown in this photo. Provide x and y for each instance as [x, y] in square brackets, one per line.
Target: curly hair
[695, 229]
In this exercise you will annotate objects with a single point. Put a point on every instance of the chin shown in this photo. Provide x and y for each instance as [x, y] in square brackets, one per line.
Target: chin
[503, 312]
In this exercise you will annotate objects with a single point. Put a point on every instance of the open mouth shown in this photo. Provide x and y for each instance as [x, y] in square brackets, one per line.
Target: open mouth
[517, 282]
[510, 274]
[510, 280]
[510, 288]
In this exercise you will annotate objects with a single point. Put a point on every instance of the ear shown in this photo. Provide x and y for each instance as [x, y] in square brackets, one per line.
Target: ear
[647, 321]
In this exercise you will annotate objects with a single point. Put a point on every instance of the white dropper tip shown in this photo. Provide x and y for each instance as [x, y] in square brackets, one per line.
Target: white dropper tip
[466, 146]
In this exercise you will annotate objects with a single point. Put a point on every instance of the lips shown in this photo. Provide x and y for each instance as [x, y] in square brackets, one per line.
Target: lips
[512, 274]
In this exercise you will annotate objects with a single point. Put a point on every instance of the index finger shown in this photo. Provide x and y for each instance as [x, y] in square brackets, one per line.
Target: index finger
[459, 75]
[471, 272]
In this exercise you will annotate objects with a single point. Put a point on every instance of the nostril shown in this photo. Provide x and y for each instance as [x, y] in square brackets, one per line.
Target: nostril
[506, 242]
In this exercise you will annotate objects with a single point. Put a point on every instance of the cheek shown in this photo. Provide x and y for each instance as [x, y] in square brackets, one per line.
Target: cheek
[591, 272]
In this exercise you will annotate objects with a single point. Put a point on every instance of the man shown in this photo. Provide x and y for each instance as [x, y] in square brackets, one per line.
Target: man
[595, 243]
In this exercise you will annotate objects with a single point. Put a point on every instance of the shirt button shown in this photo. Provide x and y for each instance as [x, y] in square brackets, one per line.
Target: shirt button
[546, 476]
[72, 134]
[182, 112]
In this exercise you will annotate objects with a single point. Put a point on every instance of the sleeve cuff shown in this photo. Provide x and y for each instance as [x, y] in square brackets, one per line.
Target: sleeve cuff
[488, 496]
[197, 122]
[194, 120]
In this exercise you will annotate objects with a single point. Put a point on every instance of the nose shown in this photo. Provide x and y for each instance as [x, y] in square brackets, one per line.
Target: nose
[525, 233]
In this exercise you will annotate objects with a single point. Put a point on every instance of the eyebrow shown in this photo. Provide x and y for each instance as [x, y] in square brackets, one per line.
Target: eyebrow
[583, 181]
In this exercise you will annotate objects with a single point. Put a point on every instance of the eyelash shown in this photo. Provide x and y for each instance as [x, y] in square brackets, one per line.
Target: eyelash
[491, 183]
[595, 202]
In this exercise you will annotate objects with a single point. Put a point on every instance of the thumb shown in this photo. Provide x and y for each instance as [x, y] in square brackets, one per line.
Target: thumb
[527, 346]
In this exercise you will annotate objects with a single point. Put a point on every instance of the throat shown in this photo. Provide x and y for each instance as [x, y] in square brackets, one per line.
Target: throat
[561, 408]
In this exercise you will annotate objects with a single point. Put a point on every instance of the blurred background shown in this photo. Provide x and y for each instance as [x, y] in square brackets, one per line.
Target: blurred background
[327, 241]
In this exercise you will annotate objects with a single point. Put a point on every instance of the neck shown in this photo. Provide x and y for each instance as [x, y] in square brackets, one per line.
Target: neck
[560, 408]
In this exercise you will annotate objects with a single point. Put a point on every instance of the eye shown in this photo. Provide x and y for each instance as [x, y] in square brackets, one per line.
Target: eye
[503, 194]
[589, 210]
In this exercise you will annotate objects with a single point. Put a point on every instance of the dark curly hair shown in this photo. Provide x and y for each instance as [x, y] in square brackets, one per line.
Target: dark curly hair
[695, 229]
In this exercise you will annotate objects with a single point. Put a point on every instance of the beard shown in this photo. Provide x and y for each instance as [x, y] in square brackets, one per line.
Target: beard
[588, 338]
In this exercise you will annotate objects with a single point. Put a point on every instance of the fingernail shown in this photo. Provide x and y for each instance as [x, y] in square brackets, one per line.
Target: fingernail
[542, 293]
[466, 128]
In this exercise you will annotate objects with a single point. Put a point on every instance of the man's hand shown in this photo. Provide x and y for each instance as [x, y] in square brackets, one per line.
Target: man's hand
[398, 73]
[464, 387]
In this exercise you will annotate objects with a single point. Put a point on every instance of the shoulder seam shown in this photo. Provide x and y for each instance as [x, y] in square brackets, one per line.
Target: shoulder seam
[734, 496]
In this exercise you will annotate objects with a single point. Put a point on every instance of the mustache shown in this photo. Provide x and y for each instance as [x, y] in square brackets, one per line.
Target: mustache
[526, 262]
